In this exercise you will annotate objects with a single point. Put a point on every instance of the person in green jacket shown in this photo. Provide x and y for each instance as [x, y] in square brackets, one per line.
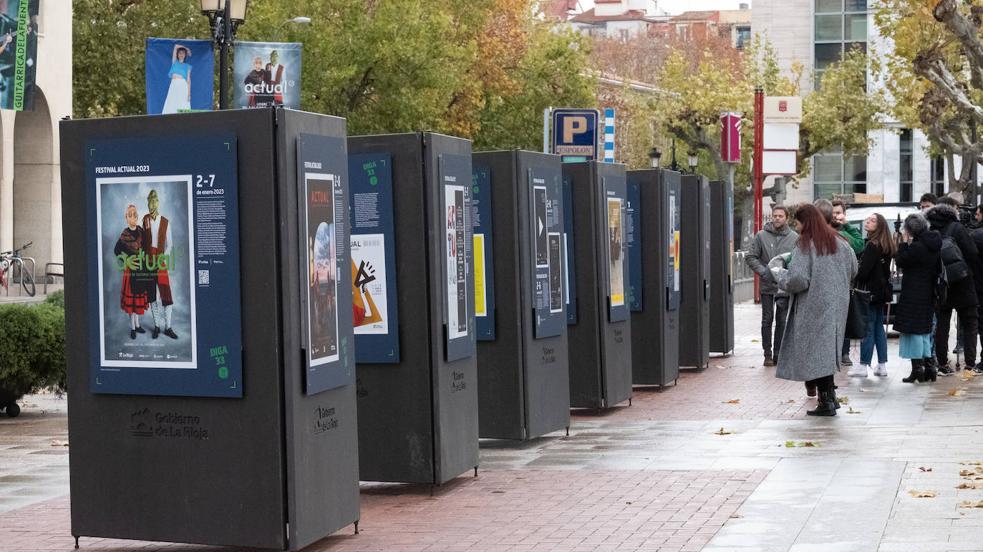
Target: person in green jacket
[835, 214]
[852, 234]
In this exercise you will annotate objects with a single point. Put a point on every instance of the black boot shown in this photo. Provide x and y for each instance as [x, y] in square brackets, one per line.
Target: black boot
[917, 371]
[810, 389]
[929, 372]
[826, 405]
[836, 401]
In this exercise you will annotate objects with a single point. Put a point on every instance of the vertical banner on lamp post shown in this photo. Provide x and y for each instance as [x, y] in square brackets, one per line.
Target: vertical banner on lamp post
[267, 74]
[180, 75]
[18, 53]
[730, 137]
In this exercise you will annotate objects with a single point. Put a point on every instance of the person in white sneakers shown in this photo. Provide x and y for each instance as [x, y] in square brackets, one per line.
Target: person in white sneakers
[874, 275]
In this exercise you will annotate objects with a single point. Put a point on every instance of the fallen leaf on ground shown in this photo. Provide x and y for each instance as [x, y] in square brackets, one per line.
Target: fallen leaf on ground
[722, 431]
[861, 389]
[755, 341]
[733, 401]
[971, 463]
[956, 392]
[967, 375]
[852, 411]
[925, 469]
[790, 401]
[971, 504]
[922, 494]
[843, 400]
[794, 444]
[57, 443]
[977, 485]
[736, 516]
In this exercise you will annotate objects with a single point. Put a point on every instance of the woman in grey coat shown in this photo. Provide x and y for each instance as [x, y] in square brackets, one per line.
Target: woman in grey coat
[818, 279]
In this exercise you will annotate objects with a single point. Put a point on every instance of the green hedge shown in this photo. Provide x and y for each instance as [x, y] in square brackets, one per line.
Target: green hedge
[32, 346]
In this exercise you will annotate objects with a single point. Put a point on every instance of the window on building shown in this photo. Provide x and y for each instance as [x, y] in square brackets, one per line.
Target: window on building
[743, 37]
[938, 175]
[835, 173]
[907, 175]
[841, 25]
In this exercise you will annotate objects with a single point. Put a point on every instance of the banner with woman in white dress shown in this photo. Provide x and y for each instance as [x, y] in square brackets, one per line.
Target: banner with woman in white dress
[180, 75]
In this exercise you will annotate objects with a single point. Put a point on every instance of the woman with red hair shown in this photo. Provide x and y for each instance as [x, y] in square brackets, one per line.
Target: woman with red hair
[818, 279]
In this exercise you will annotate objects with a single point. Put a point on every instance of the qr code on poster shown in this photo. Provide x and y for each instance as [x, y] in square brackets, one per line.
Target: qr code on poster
[203, 276]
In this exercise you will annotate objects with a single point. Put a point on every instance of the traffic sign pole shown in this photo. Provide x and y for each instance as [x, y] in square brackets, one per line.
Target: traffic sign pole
[758, 176]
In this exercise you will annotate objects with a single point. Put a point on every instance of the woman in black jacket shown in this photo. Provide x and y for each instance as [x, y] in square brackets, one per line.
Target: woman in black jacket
[874, 275]
[919, 258]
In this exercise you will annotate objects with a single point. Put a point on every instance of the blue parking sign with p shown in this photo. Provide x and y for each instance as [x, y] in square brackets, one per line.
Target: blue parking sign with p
[575, 134]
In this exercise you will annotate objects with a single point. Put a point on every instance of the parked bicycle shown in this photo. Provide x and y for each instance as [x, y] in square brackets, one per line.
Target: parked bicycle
[7, 261]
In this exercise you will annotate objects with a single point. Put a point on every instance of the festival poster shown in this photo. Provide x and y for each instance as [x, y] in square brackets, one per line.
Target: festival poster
[166, 266]
[18, 53]
[673, 248]
[456, 263]
[369, 274]
[267, 74]
[555, 273]
[373, 264]
[322, 263]
[179, 75]
[540, 227]
[546, 228]
[616, 274]
[484, 243]
[454, 222]
[326, 270]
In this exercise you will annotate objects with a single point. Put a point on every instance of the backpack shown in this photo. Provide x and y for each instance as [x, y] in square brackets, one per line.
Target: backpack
[941, 286]
[956, 269]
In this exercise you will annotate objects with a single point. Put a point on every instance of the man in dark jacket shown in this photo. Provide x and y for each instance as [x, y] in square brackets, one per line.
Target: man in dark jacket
[776, 239]
[961, 295]
[977, 235]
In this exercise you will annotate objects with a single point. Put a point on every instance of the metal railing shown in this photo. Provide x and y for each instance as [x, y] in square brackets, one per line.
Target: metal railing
[743, 278]
[17, 276]
[48, 273]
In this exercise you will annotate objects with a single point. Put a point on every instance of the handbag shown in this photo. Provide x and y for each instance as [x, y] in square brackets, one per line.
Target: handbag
[858, 315]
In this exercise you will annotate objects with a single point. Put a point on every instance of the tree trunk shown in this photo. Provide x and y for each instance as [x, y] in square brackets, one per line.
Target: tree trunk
[950, 162]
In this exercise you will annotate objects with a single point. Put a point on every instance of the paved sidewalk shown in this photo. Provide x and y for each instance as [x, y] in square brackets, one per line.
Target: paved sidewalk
[718, 463]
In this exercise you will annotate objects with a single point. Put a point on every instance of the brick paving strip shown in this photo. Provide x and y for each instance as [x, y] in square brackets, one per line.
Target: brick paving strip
[653, 476]
[499, 510]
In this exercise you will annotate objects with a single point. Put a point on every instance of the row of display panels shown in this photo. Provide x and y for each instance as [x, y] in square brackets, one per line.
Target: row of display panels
[165, 272]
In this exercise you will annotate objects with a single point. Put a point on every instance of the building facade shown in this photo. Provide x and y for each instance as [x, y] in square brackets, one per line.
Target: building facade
[624, 19]
[815, 33]
[30, 178]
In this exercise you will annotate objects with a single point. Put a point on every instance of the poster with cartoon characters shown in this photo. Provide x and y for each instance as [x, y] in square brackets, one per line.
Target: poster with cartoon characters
[165, 268]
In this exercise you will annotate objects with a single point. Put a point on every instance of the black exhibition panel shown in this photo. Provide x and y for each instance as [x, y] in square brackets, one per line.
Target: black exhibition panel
[418, 417]
[721, 268]
[694, 316]
[253, 443]
[655, 325]
[600, 339]
[523, 373]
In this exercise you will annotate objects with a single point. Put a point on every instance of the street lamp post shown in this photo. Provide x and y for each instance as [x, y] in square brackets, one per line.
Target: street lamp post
[300, 20]
[654, 156]
[224, 17]
[693, 159]
[673, 165]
